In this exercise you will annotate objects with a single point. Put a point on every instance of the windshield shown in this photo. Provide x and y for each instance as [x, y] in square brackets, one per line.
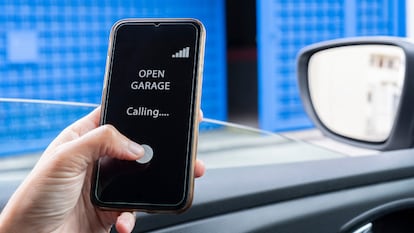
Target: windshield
[28, 126]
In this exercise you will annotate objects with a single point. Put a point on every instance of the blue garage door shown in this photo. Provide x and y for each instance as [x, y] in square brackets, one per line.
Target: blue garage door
[285, 26]
[56, 50]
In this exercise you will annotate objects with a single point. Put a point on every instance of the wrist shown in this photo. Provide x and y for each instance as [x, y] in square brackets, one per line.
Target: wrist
[13, 216]
[7, 223]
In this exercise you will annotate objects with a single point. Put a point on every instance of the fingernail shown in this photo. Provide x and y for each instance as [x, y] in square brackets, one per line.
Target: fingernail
[136, 149]
[125, 222]
[128, 224]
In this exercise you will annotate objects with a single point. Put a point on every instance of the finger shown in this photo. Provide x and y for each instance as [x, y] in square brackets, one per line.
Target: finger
[200, 115]
[104, 140]
[199, 169]
[87, 123]
[125, 222]
[77, 129]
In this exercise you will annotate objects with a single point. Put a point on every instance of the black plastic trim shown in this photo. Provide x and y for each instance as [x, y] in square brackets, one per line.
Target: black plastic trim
[377, 212]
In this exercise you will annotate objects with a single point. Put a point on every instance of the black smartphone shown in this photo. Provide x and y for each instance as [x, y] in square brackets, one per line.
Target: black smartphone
[151, 94]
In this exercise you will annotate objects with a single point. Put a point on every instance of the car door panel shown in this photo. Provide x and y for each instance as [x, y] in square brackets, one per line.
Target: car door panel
[319, 213]
[317, 196]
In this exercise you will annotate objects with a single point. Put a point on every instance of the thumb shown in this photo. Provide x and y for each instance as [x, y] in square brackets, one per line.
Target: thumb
[102, 141]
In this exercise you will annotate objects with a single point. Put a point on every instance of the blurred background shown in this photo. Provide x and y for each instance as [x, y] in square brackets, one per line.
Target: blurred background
[56, 50]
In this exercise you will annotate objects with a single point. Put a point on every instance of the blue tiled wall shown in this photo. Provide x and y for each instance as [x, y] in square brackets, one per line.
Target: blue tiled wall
[56, 50]
[285, 26]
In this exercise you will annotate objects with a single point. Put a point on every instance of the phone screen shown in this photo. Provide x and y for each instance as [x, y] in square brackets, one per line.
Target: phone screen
[151, 96]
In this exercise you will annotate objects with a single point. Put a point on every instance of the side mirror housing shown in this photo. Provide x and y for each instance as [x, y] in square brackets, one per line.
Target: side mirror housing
[360, 90]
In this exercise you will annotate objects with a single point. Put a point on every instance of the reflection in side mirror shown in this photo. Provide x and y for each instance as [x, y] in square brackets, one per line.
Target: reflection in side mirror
[357, 90]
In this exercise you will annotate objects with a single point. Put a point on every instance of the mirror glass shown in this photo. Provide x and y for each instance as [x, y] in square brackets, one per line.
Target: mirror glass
[356, 89]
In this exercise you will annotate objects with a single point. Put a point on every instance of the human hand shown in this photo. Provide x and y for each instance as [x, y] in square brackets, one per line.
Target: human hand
[55, 195]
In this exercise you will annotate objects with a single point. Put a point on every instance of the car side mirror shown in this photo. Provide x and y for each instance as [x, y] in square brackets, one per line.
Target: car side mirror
[360, 90]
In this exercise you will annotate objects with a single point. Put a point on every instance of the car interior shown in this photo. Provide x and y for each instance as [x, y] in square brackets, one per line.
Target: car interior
[346, 165]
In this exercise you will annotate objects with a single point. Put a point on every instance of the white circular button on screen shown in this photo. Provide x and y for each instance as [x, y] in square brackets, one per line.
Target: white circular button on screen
[147, 155]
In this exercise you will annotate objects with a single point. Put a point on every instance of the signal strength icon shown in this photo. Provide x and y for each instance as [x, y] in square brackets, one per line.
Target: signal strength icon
[183, 53]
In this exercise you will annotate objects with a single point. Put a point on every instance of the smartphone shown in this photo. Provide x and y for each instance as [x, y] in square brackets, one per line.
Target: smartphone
[151, 94]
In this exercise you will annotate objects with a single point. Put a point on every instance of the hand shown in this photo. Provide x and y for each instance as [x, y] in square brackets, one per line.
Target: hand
[55, 195]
